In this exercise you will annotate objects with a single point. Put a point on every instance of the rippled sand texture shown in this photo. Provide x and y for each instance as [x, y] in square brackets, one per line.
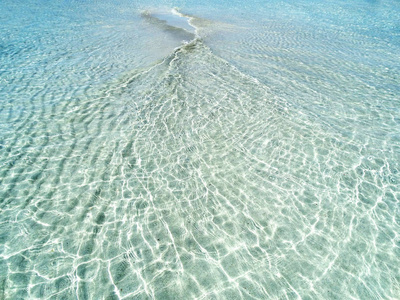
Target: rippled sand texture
[190, 179]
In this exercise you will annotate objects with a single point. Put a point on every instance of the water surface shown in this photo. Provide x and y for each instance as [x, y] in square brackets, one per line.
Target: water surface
[177, 150]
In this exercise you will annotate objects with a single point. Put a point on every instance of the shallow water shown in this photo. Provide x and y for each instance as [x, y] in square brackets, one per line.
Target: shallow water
[186, 151]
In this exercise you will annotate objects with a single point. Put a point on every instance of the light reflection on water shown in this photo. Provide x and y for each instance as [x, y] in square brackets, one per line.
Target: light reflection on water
[258, 160]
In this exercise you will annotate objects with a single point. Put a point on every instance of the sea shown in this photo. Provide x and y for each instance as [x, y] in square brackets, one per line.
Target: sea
[181, 149]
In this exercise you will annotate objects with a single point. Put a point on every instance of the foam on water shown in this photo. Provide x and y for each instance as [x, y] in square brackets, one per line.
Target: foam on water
[191, 175]
[175, 19]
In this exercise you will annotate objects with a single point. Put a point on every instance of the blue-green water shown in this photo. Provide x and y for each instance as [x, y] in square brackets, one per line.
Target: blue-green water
[214, 150]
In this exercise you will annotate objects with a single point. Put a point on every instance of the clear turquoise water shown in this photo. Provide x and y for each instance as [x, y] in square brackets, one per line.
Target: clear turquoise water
[254, 154]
